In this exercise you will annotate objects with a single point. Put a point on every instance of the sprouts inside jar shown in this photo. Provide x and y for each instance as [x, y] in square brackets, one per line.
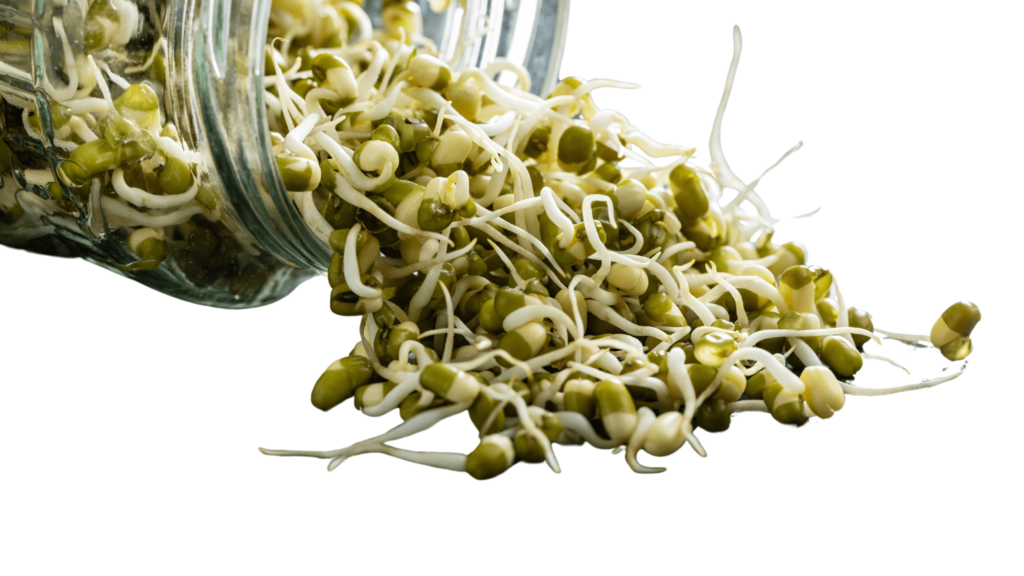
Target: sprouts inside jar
[136, 192]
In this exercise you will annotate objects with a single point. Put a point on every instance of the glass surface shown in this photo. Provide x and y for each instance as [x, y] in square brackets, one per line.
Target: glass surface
[90, 205]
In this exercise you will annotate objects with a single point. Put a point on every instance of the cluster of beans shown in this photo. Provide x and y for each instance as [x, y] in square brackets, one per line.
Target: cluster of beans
[537, 263]
[121, 173]
[520, 259]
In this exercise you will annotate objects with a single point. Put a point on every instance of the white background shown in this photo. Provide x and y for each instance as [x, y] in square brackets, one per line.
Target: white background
[129, 421]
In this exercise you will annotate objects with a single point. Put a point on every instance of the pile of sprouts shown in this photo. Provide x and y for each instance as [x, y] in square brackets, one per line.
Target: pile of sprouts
[535, 262]
[539, 263]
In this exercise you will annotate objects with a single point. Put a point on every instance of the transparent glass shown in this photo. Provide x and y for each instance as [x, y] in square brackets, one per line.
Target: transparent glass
[234, 239]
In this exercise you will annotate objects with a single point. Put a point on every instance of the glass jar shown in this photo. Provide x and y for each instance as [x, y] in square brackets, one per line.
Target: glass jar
[208, 220]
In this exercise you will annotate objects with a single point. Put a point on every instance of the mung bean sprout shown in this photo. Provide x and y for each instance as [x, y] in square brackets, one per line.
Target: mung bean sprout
[593, 295]
[536, 262]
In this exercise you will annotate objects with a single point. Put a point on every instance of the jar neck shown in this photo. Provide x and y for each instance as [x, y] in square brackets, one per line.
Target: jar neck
[215, 71]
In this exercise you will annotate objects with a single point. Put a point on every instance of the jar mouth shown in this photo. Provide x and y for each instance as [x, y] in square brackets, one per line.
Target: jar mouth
[540, 53]
[309, 250]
